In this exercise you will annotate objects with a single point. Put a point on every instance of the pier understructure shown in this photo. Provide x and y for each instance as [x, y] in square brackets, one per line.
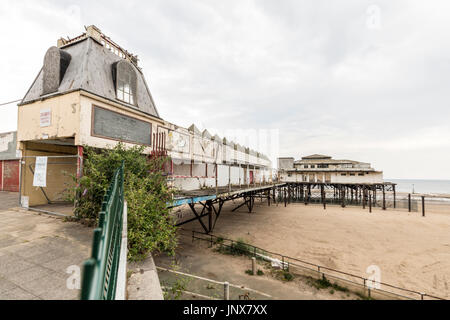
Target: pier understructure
[208, 203]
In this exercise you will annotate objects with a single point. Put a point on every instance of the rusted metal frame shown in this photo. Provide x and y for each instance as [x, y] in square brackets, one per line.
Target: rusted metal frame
[217, 212]
[241, 205]
[251, 202]
[192, 206]
[209, 207]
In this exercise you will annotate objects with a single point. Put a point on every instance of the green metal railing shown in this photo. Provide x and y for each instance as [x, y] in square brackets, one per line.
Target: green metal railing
[100, 271]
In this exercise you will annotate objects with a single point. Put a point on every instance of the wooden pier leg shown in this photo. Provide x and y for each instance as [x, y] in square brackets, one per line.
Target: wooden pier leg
[364, 197]
[370, 201]
[409, 202]
[384, 198]
[395, 197]
[309, 193]
[289, 193]
[423, 206]
[322, 191]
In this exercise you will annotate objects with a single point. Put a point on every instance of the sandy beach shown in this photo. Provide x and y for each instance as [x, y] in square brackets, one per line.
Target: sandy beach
[412, 252]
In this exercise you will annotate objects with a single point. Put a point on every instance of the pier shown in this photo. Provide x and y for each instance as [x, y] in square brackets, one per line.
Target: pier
[209, 202]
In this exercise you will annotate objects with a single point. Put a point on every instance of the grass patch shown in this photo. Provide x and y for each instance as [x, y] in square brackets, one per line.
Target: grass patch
[218, 240]
[363, 296]
[283, 275]
[260, 272]
[287, 276]
[238, 248]
[249, 272]
[324, 283]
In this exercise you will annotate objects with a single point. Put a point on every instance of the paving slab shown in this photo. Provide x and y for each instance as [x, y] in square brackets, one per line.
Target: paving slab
[35, 252]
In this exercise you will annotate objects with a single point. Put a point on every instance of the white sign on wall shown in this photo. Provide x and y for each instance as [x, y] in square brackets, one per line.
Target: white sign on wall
[40, 172]
[46, 117]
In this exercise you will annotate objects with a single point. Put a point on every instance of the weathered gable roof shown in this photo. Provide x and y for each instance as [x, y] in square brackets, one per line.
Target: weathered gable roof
[206, 134]
[194, 130]
[90, 69]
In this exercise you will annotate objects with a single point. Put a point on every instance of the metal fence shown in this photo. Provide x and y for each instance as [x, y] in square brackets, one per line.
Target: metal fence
[100, 271]
[357, 284]
[316, 198]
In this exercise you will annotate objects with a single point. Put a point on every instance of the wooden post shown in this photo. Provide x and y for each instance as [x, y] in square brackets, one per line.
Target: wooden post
[395, 197]
[409, 202]
[370, 201]
[423, 206]
[384, 198]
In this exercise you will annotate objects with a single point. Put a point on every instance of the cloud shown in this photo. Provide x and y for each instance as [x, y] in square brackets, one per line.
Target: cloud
[360, 79]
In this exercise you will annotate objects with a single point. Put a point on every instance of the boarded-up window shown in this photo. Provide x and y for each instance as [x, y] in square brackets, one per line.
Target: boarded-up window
[116, 126]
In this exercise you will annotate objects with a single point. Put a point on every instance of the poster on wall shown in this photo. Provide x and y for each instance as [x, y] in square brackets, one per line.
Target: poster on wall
[45, 118]
[40, 172]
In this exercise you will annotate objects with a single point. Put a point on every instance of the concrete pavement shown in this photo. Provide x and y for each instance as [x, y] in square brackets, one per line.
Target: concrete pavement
[36, 252]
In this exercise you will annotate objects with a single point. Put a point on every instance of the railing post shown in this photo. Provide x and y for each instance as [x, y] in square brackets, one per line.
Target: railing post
[254, 265]
[226, 291]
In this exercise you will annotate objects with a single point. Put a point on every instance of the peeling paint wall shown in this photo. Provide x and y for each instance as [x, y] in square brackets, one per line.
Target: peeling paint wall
[8, 144]
[64, 118]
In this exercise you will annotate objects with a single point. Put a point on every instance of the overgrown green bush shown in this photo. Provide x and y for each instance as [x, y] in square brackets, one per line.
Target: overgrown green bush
[150, 227]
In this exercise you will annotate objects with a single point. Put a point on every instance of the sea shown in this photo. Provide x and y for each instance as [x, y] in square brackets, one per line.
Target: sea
[435, 187]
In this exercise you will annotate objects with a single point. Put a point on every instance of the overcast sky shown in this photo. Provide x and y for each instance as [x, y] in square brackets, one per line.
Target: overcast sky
[362, 80]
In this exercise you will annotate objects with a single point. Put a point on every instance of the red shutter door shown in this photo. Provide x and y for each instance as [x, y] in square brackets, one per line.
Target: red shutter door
[11, 175]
